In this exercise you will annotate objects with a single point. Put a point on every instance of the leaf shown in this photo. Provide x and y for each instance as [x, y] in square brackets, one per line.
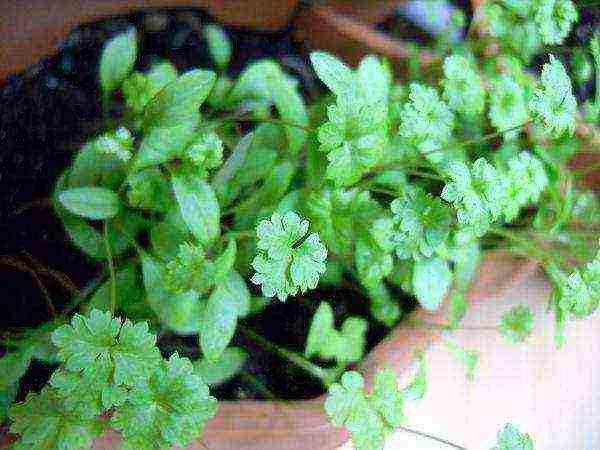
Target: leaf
[117, 60]
[458, 308]
[199, 207]
[431, 281]
[230, 363]
[180, 312]
[90, 202]
[466, 260]
[375, 79]
[368, 418]
[171, 409]
[105, 348]
[219, 45]
[162, 143]
[43, 421]
[179, 100]
[7, 397]
[338, 77]
[516, 324]
[13, 366]
[417, 388]
[225, 304]
[510, 438]
[383, 307]
[372, 263]
[283, 264]
[345, 346]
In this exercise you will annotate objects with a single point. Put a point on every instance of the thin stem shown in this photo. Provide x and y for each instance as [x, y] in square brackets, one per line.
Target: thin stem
[430, 176]
[485, 138]
[290, 356]
[111, 268]
[432, 437]
[533, 250]
[259, 385]
[277, 122]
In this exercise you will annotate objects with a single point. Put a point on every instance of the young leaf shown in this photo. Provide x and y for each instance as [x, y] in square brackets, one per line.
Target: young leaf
[199, 207]
[384, 308]
[431, 280]
[338, 77]
[283, 265]
[43, 421]
[230, 363]
[13, 366]
[372, 264]
[219, 45]
[426, 119]
[463, 87]
[345, 346]
[170, 409]
[162, 144]
[368, 418]
[226, 303]
[510, 438]
[418, 386]
[117, 60]
[554, 104]
[516, 324]
[105, 348]
[179, 100]
[94, 203]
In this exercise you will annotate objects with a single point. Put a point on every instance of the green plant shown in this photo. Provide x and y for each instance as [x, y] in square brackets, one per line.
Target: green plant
[417, 182]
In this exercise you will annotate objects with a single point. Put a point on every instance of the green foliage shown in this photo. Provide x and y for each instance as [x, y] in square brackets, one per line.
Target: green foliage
[231, 362]
[113, 365]
[345, 346]
[219, 45]
[554, 19]
[516, 324]
[369, 418]
[463, 87]
[94, 203]
[426, 120]
[510, 438]
[118, 58]
[580, 291]
[554, 104]
[417, 388]
[420, 224]
[283, 264]
[169, 408]
[431, 281]
[507, 104]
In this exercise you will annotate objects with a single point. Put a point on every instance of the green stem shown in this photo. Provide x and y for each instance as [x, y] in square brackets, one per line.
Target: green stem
[432, 437]
[485, 138]
[111, 268]
[260, 386]
[430, 176]
[290, 356]
[530, 247]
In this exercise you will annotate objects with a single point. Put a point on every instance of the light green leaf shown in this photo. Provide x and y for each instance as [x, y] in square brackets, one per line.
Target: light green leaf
[338, 77]
[219, 45]
[516, 324]
[230, 363]
[199, 207]
[117, 60]
[431, 281]
[375, 80]
[418, 386]
[179, 100]
[383, 307]
[90, 202]
[162, 144]
[13, 366]
[510, 438]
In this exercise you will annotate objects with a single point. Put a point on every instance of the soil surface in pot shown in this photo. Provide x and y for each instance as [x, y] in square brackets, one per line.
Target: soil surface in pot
[46, 114]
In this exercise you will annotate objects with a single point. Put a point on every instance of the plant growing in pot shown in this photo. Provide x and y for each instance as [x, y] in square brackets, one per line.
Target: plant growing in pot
[220, 197]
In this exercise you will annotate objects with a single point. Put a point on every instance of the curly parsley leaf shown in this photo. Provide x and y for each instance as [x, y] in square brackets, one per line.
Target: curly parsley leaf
[431, 281]
[554, 19]
[368, 418]
[516, 324]
[510, 438]
[421, 224]
[170, 409]
[345, 346]
[425, 119]
[44, 421]
[463, 87]
[554, 104]
[283, 264]
[107, 349]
